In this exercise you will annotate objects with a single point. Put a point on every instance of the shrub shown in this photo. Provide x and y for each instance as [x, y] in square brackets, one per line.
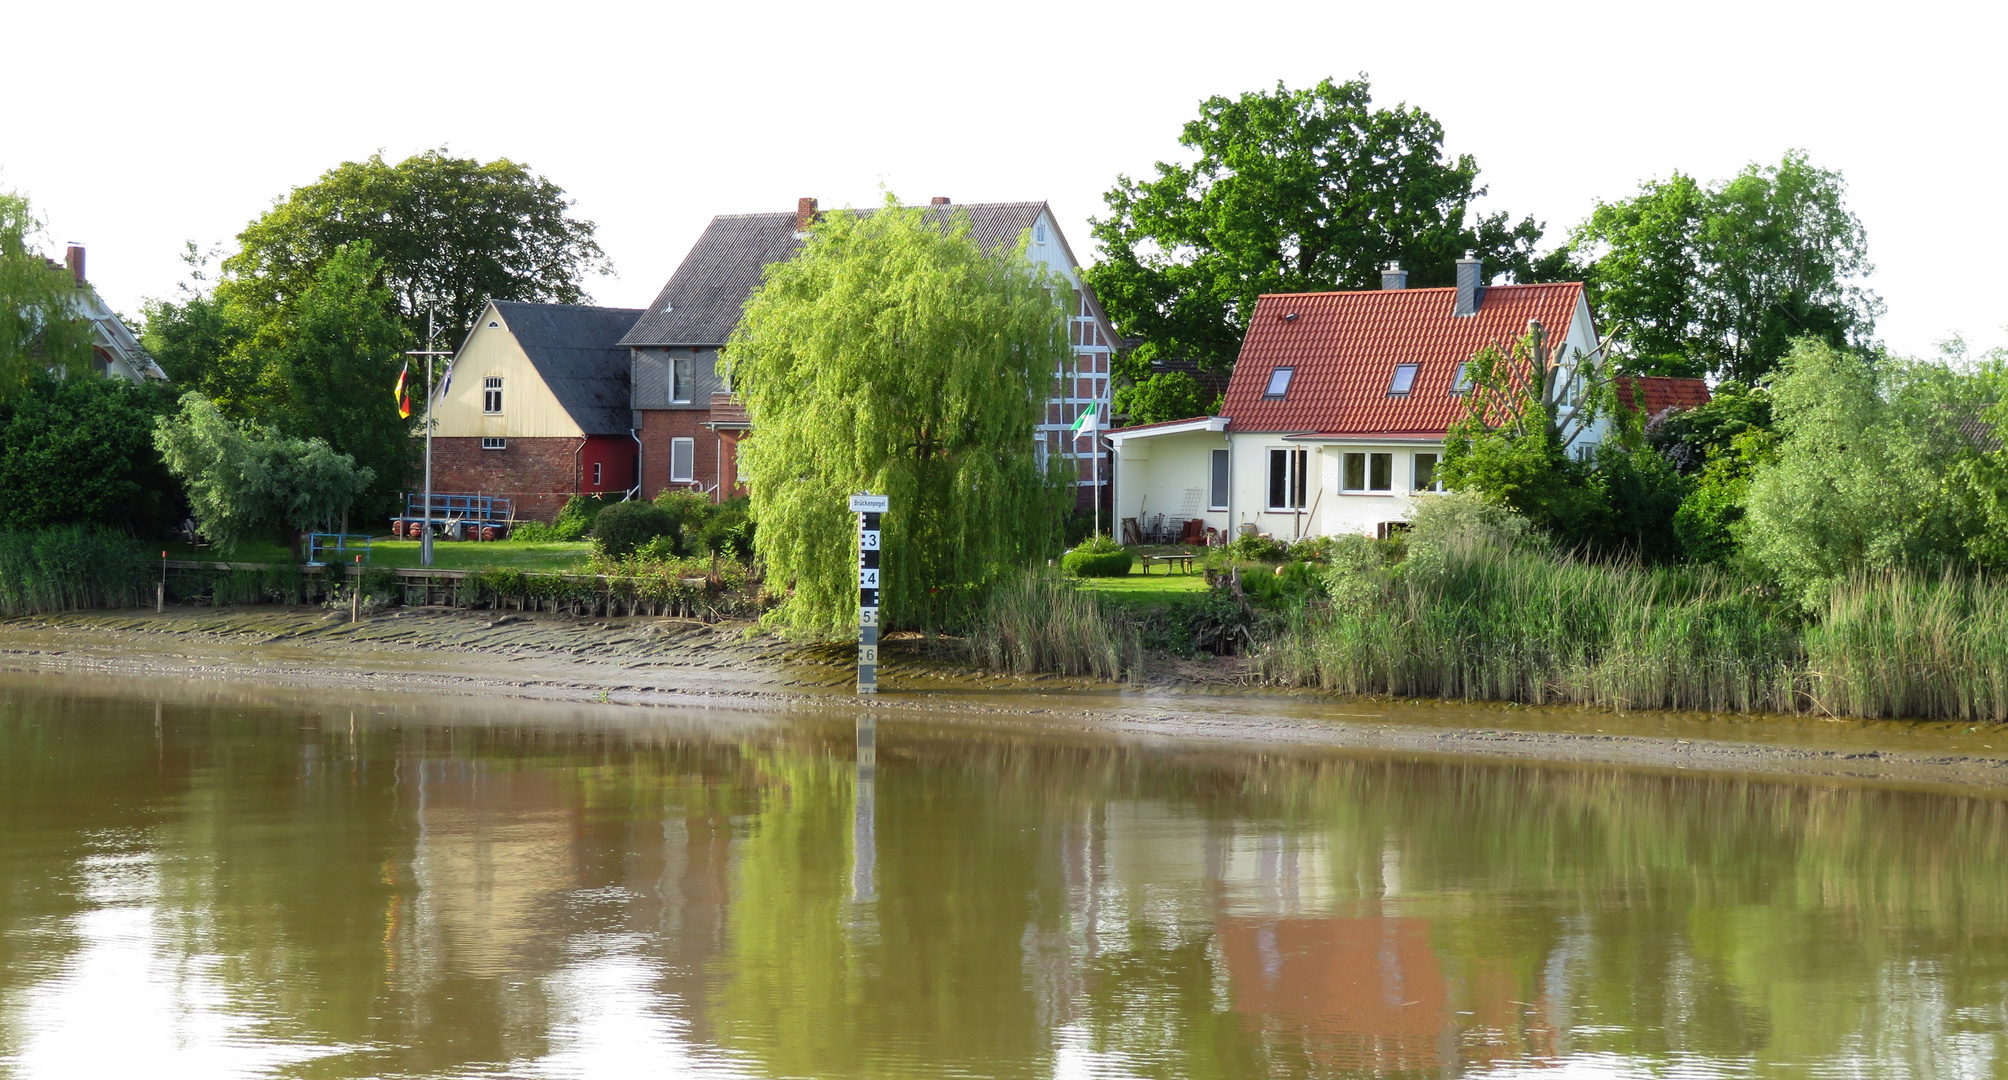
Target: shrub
[533, 532]
[728, 530]
[1098, 556]
[621, 528]
[1255, 547]
[575, 521]
[1040, 624]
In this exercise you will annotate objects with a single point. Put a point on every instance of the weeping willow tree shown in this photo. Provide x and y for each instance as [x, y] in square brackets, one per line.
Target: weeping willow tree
[40, 329]
[895, 355]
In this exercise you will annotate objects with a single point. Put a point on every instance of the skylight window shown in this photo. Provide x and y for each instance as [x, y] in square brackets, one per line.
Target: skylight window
[1462, 382]
[1279, 382]
[1404, 380]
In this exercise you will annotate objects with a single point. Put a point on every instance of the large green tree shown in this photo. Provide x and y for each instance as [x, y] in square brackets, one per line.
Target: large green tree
[898, 357]
[457, 229]
[1693, 280]
[79, 450]
[39, 325]
[250, 483]
[1291, 191]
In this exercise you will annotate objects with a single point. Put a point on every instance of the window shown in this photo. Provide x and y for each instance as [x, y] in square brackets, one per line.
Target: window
[493, 325]
[1462, 382]
[1287, 481]
[1425, 478]
[682, 372]
[1367, 472]
[491, 394]
[1217, 497]
[494, 444]
[1039, 233]
[596, 474]
[682, 461]
[1279, 382]
[1404, 379]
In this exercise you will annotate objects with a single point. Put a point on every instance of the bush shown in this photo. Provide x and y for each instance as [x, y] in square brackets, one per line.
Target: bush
[1255, 547]
[533, 532]
[80, 450]
[728, 530]
[1098, 556]
[575, 521]
[621, 528]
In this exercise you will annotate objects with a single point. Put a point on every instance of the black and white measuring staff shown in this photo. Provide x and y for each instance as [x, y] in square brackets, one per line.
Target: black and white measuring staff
[868, 508]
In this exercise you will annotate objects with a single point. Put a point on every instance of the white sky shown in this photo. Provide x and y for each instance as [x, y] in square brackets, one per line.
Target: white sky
[135, 127]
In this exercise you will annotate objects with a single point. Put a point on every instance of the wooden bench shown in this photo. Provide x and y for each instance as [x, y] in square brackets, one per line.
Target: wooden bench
[1183, 559]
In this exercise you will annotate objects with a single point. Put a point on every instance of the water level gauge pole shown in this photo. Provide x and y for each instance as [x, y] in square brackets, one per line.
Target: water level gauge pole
[868, 508]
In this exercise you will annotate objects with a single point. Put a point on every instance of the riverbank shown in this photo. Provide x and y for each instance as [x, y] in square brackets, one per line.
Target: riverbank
[474, 656]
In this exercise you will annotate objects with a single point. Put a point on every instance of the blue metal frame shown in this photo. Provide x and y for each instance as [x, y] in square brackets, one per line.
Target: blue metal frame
[316, 542]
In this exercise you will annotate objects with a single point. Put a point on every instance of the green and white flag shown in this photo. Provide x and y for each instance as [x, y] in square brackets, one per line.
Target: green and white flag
[1086, 421]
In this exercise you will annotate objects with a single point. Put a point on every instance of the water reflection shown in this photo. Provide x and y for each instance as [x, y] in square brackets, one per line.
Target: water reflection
[376, 888]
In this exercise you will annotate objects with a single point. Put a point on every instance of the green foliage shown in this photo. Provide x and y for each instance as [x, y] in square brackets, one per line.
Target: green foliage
[1098, 556]
[39, 324]
[245, 482]
[1255, 547]
[621, 528]
[458, 229]
[1866, 453]
[533, 532]
[575, 518]
[1689, 438]
[896, 356]
[1167, 395]
[80, 450]
[1035, 623]
[1692, 280]
[1905, 645]
[72, 567]
[1291, 191]
[195, 340]
[1709, 521]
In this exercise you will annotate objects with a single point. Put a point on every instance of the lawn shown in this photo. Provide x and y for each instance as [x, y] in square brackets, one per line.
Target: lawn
[446, 554]
[1139, 589]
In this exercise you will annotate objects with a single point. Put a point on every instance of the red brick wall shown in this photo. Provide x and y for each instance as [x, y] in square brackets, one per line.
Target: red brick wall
[658, 427]
[538, 474]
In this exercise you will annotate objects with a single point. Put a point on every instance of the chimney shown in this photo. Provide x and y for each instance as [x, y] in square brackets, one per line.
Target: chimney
[1470, 284]
[938, 200]
[74, 259]
[805, 214]
[1393, 277]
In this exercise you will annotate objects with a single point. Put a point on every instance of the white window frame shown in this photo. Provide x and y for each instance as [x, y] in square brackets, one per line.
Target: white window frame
[682, 379]
[1296, 480]
[1219, 479]
[491, 395]
[1435, 470]
[596, 474]
[491, 442]
[689, 448]
[1366, 462]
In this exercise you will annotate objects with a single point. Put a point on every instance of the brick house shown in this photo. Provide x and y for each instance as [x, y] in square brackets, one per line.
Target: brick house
[537, 409]
[688, 422]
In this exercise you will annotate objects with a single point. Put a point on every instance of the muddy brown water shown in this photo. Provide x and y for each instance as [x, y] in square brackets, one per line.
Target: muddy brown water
[422, 876]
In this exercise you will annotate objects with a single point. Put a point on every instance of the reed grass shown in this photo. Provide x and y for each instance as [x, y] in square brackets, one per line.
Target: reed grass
[1904, 645]
[1038, 623]
[72, 567]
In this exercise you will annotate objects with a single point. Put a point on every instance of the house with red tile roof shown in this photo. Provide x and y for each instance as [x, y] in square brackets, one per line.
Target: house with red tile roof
[1335, 417]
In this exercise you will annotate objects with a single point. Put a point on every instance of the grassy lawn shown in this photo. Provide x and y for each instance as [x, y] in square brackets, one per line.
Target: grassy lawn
[446, 554]
[1142, 590]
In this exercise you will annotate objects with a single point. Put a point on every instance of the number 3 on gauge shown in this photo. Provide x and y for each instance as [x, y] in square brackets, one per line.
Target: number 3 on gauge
[870, 579]
[870, 540]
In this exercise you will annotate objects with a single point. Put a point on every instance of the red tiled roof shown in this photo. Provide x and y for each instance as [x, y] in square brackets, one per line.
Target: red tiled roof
[1662, 392]
[1345, 345]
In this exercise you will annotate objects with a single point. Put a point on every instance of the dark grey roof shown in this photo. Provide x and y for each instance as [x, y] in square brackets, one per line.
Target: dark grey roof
[577, 352]
[701, 303]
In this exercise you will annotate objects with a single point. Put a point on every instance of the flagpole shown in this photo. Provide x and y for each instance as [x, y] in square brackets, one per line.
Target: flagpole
[425, 537]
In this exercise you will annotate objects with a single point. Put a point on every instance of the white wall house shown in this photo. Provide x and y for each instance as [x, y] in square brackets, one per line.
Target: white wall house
[1335, 417]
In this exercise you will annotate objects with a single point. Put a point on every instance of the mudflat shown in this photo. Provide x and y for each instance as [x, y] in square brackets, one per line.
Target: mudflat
[682, 663]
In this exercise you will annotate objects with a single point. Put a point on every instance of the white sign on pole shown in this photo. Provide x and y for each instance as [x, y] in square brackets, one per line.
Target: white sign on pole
[870, 504]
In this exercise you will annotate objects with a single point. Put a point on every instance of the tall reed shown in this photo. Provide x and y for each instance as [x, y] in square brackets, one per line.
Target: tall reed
[1038, 623]
[72, 567]
[1895, 644]
[1482, 623]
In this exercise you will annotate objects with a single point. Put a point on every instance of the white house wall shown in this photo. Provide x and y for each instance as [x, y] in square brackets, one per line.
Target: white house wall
[1169, 474]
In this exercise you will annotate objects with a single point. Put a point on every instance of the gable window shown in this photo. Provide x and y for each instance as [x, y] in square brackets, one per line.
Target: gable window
[682, 378]
[1279, 383]
[494, 444]
[1219, 482]
[1462, 382]
[596, 474]
[1424, 477]
[491, 395]
[682, 461]
[1403, 381]
[1287, 480]
[1367, 472]
[1039, 233]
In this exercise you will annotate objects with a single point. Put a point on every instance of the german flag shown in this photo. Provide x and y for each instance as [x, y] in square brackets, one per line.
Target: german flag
[403, 392]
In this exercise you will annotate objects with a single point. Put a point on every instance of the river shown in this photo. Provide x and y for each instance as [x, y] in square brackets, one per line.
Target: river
[209, 880]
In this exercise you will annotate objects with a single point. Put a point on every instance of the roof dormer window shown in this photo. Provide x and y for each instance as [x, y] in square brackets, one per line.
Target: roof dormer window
[1462, 382]
[1279, 383]
[1403, 381]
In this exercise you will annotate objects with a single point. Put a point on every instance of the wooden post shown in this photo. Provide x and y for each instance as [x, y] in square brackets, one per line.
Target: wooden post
[868, 508]
[160, 590]
[356, 593]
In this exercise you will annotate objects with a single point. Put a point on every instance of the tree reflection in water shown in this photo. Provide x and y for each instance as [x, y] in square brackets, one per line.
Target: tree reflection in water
[258, 883]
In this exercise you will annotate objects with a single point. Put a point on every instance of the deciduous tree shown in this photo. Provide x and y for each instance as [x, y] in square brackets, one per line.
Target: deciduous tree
[898, 357]
[1291, 191]
[40, 328]
[247, 483]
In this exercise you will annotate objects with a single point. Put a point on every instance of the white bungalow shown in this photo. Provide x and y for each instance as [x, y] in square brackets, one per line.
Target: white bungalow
[1335, 418]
